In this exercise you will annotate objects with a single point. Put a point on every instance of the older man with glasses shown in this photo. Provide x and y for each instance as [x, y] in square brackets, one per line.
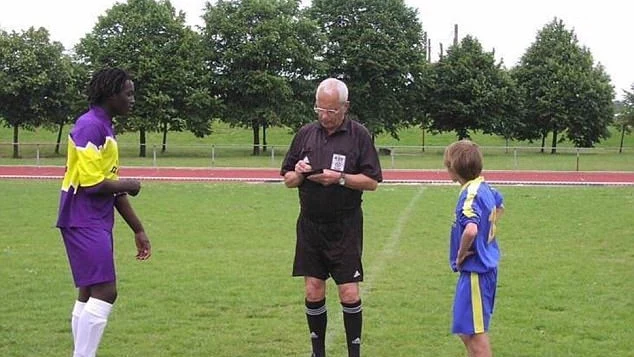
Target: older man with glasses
[331, 162]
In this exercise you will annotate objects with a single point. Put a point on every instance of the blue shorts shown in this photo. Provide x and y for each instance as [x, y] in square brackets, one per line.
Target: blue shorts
[473, 303]
[90, 254]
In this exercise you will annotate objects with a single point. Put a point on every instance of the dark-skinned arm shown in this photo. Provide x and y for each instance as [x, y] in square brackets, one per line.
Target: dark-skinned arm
[107, 186]
[144, 249]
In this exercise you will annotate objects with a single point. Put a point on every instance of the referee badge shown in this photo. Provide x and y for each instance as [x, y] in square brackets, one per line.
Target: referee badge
[338, 162]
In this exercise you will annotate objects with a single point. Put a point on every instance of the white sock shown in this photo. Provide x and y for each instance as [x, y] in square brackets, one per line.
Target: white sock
[92, 322]
[77, 309]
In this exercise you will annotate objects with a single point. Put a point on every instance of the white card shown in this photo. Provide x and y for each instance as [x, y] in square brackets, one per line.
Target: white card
[338, 162]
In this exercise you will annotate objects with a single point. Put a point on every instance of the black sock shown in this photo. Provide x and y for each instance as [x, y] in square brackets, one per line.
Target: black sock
[352, 321]
[317, 317]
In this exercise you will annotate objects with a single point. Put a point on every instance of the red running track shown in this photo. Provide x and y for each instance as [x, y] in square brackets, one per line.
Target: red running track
[390, 176]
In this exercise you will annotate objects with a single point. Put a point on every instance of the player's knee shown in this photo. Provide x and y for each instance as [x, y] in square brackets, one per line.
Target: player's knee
[105, 292]
[314, 296]
[350, 299]
[315, 292]
[349, 295]
[479, 345]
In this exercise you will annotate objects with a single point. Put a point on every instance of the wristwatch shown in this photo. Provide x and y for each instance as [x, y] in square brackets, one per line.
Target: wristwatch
[342, 179]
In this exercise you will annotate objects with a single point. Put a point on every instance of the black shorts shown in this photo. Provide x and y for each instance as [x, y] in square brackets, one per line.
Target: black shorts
[332, 248]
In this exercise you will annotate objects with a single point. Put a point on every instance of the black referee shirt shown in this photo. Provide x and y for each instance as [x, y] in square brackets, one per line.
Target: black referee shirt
[348, 149]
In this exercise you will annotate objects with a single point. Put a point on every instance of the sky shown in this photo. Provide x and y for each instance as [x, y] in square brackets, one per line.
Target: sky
[506, 26]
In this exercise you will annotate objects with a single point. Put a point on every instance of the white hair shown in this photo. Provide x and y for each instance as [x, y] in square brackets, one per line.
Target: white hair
[333, 84]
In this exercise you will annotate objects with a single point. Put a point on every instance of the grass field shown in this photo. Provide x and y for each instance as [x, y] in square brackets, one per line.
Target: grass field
[219, 282]
[230, 147]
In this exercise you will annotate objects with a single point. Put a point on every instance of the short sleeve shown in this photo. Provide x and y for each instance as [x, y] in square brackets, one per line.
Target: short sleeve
[292, 155]
[499, 199]
[369, 163]
[89, 141]
[470, 211]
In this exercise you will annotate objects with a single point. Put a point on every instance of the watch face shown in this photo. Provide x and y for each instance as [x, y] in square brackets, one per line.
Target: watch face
[342, 181]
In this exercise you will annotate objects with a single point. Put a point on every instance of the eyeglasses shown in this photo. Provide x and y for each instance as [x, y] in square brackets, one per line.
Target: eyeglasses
[330, 112]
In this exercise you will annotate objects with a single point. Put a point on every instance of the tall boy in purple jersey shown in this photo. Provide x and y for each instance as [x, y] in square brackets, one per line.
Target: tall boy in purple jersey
[331, 162]
[91, 190]
[473, 250]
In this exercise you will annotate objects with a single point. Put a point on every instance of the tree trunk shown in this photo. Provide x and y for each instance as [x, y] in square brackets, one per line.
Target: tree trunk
[506, 150]
[543, 141]
[622, 136]
[256, 137]
[462, 134]
[142, 148]
[164, 145]
[422, 137]
[16, 146]
[553, 147]
[264, 125]
[59, 138]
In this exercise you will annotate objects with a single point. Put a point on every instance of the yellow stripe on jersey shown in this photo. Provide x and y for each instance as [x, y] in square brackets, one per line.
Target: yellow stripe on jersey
[476, 304]
[89, 165]
[472, 188]
[110, 153]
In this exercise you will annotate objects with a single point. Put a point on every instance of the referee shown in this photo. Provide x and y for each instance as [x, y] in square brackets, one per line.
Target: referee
[331, 161]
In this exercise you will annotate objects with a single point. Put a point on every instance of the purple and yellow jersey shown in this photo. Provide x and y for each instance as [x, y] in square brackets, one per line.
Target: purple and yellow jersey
[93, 156]
[477, 204]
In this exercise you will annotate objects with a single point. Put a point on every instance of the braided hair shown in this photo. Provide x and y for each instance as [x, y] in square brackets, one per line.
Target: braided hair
[105, 83]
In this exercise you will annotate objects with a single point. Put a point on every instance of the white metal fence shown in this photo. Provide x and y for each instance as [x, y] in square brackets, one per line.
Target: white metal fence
[394, 157]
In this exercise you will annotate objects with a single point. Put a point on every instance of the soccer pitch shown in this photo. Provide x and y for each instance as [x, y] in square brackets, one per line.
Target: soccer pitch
[219, 281]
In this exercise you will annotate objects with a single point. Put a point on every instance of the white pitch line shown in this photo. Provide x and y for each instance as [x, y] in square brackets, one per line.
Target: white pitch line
[377, 267]
[385, 182]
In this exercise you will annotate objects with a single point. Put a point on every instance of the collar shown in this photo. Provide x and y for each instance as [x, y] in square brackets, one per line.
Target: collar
[100, 113]
[476, 180]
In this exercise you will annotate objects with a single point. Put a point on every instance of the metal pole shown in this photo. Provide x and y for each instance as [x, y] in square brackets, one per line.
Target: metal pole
[577, 159]
[213, 155]
[37, 155]
[154, 155]
[392, 156]
[515, 158]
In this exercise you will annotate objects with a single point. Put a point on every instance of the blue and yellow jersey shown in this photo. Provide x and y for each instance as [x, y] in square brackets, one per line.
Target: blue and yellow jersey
[477, 203]
[93, 156]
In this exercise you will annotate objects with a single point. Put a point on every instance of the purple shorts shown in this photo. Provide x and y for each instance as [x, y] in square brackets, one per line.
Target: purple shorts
[90, 254]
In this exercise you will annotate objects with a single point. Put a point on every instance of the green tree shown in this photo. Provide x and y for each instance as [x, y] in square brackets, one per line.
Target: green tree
[624, 119]
[71, 101]
[564, 92]
[417, 97]
[591, 107]
[376, 47]
[262, 53]
[151, 41]
[511, 108]
[30, 77]
[471, 92]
